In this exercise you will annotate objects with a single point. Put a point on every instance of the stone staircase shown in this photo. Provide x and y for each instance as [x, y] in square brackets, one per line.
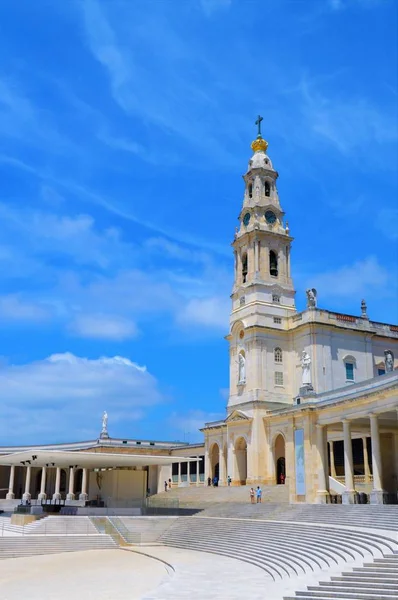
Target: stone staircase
[281, 549]
[373, 581]
[197, 497]
[355, 515]
[20, 546]
[52, 525]
[142, 530]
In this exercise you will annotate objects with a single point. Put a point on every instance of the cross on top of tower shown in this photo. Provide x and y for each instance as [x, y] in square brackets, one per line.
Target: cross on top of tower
[259, 143]
[258, 123]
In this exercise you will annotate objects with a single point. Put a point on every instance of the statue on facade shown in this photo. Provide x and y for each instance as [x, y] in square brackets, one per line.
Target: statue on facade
[105, 422]
[306, 369]
[242, 368]
[389, 360]
[311, 298]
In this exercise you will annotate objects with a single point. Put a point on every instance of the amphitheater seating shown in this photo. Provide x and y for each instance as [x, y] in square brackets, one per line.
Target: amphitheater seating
[373, 581]
[19, 546]
[280, 549]
[369, 516]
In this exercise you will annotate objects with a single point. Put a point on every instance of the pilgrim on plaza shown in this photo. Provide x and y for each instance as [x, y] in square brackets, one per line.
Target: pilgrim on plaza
[313, 395]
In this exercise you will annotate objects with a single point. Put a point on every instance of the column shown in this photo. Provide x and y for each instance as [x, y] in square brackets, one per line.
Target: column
[332, 465]
[43, 495]
[207, 466]
[323, 487]
[256, 266]
[366, 460]
[197, 470]
[10, 495]
[57, 495]
[377, 495]
[349, 493]
[222, 467]
[70, 495]
[231, 462]
[83, 494]
[26, 495]
[179, 474]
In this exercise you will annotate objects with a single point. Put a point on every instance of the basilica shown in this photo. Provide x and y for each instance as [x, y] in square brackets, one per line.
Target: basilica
[313, 395]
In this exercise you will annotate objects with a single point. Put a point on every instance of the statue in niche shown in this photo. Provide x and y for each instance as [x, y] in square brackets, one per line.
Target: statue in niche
[242, 368]
[105, 422]
[306, 367]
[311, 298]
[389, 360]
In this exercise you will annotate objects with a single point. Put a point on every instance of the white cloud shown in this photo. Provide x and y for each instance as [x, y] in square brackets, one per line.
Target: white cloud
[190, 422]
[13, 308]
[350, 124]
[210, 312]
[63, 397]
[364, 278]
[105, 327]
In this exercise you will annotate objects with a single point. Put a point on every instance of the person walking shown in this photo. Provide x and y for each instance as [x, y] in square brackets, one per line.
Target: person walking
[258, 494]
[209, 481]
[165, 486]
[252, 495]
[169, 484]
[229, 480]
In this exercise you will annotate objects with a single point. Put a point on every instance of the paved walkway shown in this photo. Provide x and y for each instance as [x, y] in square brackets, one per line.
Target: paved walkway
[92, 575]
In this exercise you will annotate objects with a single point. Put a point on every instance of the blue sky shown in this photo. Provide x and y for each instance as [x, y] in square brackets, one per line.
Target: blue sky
[125, 128]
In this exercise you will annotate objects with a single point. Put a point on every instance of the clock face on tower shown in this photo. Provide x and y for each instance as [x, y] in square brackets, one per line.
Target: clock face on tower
[246, 219]
[270, 217]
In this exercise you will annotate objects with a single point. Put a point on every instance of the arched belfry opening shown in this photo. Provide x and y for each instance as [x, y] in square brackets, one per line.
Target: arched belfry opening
[273, 263]
[280, 460]
[267, 188]
[244, 268]
[241, 460]
[250, 189]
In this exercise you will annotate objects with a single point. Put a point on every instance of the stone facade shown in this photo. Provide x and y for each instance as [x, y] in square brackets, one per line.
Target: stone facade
[268, 401]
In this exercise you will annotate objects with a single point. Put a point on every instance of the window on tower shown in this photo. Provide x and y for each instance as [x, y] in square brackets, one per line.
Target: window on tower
[244, 268]
[278, 355]
[250, 190]
[273, 263]
[267, 188]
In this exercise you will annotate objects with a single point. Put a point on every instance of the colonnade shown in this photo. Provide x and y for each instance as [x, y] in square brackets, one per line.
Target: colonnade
[189, 477]
[378, 491]
[83, 495]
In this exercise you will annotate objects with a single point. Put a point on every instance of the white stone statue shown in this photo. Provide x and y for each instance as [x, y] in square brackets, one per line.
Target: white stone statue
[306, 367]
[105, 422]
[389, 360]
[311, 297]
[242, 368]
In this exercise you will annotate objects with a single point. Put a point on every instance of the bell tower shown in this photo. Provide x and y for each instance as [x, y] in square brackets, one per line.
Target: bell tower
[263, 292]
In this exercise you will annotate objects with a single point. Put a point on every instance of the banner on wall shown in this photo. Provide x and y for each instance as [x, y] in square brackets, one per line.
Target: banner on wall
[299, 457]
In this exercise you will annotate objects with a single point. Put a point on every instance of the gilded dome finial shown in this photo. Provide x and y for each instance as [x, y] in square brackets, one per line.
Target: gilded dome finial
[259, 143]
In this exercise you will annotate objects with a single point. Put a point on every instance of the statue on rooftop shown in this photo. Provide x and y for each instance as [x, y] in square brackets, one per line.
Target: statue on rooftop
[105, 422]
[311, 298]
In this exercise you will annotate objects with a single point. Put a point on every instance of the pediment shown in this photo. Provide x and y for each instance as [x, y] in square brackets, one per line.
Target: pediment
[237, 415]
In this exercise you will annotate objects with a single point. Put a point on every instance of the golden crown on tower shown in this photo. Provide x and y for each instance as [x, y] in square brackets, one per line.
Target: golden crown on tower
[259, 143]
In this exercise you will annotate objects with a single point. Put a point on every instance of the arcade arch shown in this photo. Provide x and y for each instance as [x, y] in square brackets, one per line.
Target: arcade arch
[241, 460]
[215, 461]
[280, 459]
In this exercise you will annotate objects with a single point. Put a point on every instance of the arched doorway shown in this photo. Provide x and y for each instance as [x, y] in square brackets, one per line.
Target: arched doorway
[241, 460]
[215, 461]
[280, 461]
